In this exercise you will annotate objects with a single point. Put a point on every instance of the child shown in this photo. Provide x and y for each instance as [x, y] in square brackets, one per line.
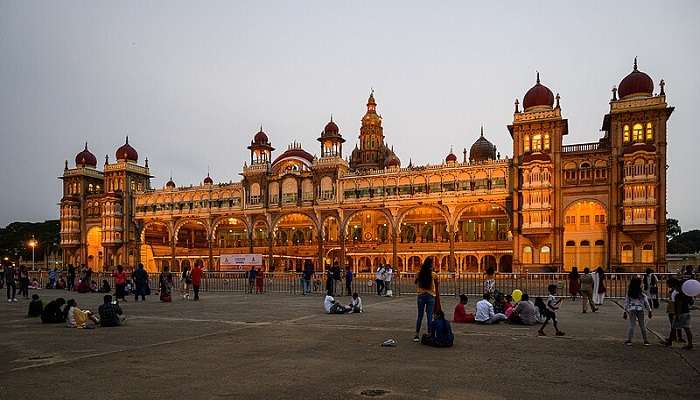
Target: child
[508, 306]
[461, 316]
[541, 309]
[35, 284]
[356, 303]
[440, 332]
[671, 308]
[35, 307]
[551, 311]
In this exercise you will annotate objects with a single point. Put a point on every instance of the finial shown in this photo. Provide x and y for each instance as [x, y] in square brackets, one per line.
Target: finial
[498, 155]
[662, 84]
[557, 98]
[482, 130]
[331, 117]
[261, 128]
[635, 63]
[207, 170]
[86, 142]
[66, 166]
[171, 174]
[516, 106]
[451, 149]
[538, 76]
[127, 139]
[465, 154]
[106, 159]
[372, 89]
[614, 91]
[146, 165]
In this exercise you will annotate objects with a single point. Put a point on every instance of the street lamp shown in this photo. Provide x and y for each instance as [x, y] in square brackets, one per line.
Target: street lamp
[32, 244]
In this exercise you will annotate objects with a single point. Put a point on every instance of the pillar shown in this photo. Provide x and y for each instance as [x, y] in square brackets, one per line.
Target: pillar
[394, 249]
[211, 254]
[321, 258]
[269, 253]
[451, 258]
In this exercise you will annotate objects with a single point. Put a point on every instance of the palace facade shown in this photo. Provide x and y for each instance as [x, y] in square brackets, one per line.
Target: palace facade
[550, 207]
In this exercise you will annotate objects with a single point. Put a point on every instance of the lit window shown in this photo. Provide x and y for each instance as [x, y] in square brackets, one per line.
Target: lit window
[627, 257]
[546, 141]
[537, 143]
[527, 143]
[626, 134]
[648, 253]
[650, 132]
[527, 255]
[545, 255]
[637, 133]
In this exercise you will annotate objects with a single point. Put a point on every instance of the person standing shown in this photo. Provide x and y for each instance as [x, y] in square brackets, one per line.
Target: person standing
[140, 277]
[379, 279]
[23, 282]
[120, 283]
[388, 276]
[551, 311]
[490, 282]
[259, 282]
[348, 280]
[10, 276]
[426, 287]
[599, 286]
[574, 284]
[71, 277]
[335, 274]
[53, 273]
[636, 303]
[586, 290]
[306, 276]
[681, 316]
[651, 287]
[252, 274]
[197, 278]
[166, 284]
[186, 279]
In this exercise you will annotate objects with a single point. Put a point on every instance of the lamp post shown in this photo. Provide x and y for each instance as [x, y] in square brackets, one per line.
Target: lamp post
[32, 244]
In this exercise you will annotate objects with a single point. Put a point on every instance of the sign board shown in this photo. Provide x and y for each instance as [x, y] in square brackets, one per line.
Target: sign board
[232, 262]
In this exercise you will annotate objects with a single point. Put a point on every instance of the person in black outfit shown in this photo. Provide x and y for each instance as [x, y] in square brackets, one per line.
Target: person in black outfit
[141, 282]
[110, 313]
[52, 313]
[71, 277]
[335, 272]
[35, 307]
[10, 283]
[23, 282]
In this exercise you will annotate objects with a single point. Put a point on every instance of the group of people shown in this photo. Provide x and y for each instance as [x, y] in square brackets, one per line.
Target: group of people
[256, 280]
[11, 278]
[58, 311]
[382, 278]
[589, 285]
[332, 306]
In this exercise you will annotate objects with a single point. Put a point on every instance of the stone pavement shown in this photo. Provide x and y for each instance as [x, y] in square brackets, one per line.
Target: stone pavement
[234, 346]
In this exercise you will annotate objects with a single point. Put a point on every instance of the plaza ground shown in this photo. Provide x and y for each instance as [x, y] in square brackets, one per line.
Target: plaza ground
[274, 346]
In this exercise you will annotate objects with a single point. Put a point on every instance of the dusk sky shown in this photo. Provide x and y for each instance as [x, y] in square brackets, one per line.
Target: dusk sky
[191, 82]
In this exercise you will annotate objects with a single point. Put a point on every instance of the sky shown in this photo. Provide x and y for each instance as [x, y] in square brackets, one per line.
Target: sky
[191, 82]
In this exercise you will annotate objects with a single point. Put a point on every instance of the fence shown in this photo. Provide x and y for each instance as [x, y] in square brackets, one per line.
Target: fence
[472, 284]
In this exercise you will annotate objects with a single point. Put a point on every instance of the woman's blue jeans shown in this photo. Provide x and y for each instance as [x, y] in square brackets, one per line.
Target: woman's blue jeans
[426, 301]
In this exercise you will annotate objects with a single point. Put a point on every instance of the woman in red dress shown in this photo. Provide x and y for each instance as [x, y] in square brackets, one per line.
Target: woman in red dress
[574, 283]
[260, 281]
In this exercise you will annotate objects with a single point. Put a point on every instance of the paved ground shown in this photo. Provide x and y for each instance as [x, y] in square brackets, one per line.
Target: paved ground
[277, 346]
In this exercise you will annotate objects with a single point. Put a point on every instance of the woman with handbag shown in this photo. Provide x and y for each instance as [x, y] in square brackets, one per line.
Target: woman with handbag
[428, 297]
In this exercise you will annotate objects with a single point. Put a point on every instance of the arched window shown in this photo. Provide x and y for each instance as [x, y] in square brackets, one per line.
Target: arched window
[637, 133]
[599, 243]
[648, 253]
[527, 255]
[627, 254]
[527, 143]
[546, 141]
[545, 255]
[585, 243]
[571, 243]
[650, 132]
[626, 134]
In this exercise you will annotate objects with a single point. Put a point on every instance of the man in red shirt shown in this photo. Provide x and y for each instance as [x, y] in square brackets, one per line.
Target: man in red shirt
[120, 282]
[197, 278]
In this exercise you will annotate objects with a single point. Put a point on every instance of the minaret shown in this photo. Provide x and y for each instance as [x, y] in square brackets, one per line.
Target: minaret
[371, 138]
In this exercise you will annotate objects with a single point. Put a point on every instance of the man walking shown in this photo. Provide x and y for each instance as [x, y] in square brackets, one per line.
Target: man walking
[379, 279]
[587, 291]
[252, 274]
[197, 278]
[10, 282]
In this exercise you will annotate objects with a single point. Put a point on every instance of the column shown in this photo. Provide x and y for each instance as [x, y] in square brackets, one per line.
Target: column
[451, 257]
[270, 258]
[341, 236]
[394, 248]
[211, 254]
[321, 258]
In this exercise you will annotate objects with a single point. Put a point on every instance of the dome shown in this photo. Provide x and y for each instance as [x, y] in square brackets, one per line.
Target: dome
[637, 83]
[392, 161]
[295, 151]
[170, 184]
[85, 158]
[482, 149]
[127, 153]
[208, 180]
[538, 96]
[260, 137]
[331, 129]
[451, 157]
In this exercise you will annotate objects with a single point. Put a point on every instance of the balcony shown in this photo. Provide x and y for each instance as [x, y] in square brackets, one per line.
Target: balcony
[582, 147]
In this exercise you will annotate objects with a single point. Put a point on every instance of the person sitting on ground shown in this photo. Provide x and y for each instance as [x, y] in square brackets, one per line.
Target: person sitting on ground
[53, 313]
[461, 316]
[525, 312]
[83, 286]
[93, 286]
[485, 314]
[35, 307]
[61, 284]
[540, 309]
[508, 305]
[333, 307]
[440, 332]
[110, 313]
[77, 318]
[356, 303]
[499, 303]
[35, 284]
[105, 288]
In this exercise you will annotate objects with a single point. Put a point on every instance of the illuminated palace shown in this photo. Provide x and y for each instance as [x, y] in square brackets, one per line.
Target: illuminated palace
[551, 206]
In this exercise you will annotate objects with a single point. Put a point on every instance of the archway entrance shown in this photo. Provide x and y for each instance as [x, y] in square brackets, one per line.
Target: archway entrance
[368, 227]
[95, 252]
[424, 225]
[585, 234]
[155, 242]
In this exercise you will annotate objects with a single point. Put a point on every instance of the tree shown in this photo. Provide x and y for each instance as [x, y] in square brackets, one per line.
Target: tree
[686, 242]
[673, 228]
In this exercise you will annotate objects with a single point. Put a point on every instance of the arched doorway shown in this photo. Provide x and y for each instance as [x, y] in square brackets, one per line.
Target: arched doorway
[95, 254]
[368, 226]
[423, 225]
[488, 261]
[414, 263]
[470, 264]
[585, 233]
[482, 222]
[155, 242]
[231, 233]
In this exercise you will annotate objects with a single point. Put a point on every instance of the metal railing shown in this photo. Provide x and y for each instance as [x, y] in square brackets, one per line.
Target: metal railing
[451, 284]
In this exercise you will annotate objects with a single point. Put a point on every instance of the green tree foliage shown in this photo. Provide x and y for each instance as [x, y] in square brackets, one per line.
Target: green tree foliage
[14, 238]
[686, 242]
[673, 228]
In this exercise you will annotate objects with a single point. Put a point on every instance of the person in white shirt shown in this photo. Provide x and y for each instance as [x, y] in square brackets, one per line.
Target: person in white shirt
[356, 304]
[333, 307]
[388, 274]
[484, 312]
[379, 279]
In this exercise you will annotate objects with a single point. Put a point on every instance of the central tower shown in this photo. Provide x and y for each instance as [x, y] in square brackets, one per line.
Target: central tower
[372, 153]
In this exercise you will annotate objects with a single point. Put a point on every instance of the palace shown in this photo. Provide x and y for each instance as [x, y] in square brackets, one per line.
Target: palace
[550, 207]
